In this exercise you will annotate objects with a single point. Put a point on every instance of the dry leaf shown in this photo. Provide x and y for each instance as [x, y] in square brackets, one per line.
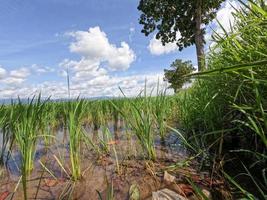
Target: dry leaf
[50, 182]
[4, 195]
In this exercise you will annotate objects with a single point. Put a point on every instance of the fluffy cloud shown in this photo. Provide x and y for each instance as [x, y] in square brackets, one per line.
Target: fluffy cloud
[14, 77]
[98, 86]
[98, 58]
[90, 76]
[132, 32]
[94, 45]
[41, 70]
[18, 76]
[225, 15]
[156, 48]
[224, 18]
[20, 73]
[2, 73]
[13, 81]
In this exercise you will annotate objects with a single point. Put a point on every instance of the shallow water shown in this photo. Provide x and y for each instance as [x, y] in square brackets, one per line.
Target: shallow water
[98, 171]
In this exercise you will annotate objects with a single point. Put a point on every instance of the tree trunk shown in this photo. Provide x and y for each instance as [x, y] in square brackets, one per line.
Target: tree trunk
[199, 37]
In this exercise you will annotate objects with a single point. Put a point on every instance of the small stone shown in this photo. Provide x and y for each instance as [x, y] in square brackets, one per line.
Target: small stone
[166, 194]
[168, 178]
[207, 193]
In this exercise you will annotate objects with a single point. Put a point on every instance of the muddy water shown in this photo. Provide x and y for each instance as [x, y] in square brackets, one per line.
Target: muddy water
[121, 167]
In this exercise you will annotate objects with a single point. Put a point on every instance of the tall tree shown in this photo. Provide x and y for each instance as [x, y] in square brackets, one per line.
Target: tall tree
[176, 75]
[180, 21]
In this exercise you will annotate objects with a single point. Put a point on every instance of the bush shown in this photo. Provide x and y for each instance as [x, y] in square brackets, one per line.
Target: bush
[228, 102]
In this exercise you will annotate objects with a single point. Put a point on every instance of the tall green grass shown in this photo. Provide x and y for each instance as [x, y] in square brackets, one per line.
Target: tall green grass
[160, 111]
[74, 112]
[140, 121]
[26, 123]
[227, 104]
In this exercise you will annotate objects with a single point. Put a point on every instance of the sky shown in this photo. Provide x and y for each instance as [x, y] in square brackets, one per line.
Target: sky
[99, 43]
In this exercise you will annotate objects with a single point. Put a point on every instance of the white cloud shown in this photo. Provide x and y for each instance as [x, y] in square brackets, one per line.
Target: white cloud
[81, 65]
[132, 32]
[157, 48]
[98, 86]
[98, 58]
[225, 15]
[20, 73]
[94, 45]
[2, 73]
[120, 58]
[41, 70]
[90, 76]
[13, 80]
[14, 77]
[225, 18]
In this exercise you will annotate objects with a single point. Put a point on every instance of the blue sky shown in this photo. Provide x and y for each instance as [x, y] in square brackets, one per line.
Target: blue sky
[98, 41]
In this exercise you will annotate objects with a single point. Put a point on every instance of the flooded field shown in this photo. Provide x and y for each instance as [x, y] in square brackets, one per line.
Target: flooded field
[111, 160]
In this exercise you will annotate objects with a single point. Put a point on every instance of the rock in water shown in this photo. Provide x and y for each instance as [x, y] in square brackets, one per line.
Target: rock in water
[166, 194]
[134, 192]
[207, 194]
[168, 178]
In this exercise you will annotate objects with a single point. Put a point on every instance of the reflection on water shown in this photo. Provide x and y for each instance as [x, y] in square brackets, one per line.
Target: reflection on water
[60, 144]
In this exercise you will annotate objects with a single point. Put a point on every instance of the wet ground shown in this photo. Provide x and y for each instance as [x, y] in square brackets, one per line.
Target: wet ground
[120, 167]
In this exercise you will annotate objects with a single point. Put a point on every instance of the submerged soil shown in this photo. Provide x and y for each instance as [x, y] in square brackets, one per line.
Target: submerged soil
[120, 167]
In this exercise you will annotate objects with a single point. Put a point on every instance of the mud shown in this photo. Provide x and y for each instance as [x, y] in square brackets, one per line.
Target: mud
[118, 169]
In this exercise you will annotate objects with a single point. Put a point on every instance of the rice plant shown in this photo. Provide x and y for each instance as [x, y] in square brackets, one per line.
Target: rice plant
[74, 111]
[140, 120]
[4, 134]
[160, 110]
[26, 121]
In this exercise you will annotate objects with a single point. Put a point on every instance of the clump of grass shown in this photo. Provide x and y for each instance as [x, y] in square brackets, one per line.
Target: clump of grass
[74, 111]
[140, 121]
[160, 110]
[109, 194]
[5, 135]
[26, 121]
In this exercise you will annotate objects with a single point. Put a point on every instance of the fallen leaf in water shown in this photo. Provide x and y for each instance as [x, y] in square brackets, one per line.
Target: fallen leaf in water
[196, 179]
[112, 142]
[50, 182]
[212, 182]
[61, 180]
[4, 195]
[185, 189]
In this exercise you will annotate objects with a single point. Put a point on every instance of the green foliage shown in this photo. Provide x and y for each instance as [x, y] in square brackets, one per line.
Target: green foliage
[74, 111]
[179, 21]
[140, 120]
[228, 101]
[160, 111]
[176, 75]
[168, 17]
[26, 122]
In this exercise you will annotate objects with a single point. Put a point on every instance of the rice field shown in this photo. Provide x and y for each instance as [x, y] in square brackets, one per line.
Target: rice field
[206, 142]
[72, 149]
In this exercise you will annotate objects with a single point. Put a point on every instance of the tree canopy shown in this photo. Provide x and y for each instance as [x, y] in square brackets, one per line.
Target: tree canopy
[175, 75]
[179, 21]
